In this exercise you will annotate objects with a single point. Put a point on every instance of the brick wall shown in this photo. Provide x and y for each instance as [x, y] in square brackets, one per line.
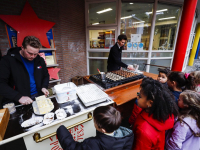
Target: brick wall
[69, 31]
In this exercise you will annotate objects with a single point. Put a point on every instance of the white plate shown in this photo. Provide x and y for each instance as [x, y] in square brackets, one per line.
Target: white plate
[48, 118]
[32, 122]
[36, 110]
[60, 114]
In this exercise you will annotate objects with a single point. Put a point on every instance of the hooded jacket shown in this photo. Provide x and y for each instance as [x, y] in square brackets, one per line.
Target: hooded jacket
[14, 77]
[149, 133]
[182, 138]
[122, 140]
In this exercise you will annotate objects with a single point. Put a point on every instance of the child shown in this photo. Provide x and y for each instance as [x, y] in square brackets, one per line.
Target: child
[176, 81]
[162, 75]
[153, 115]
[186, 131]
[109, 134]
[193, 81]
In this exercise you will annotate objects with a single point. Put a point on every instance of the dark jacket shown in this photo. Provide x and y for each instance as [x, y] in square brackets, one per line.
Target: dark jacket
[176, 95]
[14, 78]
[114, 59]
[122, 140]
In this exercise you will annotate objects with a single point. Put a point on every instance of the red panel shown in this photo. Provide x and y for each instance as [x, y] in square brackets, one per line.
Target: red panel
[184, 34]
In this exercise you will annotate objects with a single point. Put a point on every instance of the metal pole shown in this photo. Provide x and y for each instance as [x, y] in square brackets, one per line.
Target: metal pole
[152, 35]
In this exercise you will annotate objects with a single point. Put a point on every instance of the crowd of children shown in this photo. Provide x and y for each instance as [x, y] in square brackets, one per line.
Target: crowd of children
[166, 115]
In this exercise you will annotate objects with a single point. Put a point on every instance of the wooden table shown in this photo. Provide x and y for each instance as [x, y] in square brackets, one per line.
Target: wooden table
[126, 92]
[124, 95]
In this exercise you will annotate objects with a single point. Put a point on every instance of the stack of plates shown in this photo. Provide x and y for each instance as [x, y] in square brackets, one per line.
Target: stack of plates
[90, 94]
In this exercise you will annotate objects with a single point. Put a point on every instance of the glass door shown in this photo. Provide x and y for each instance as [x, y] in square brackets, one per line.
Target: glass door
[165, 34]
[99, 44]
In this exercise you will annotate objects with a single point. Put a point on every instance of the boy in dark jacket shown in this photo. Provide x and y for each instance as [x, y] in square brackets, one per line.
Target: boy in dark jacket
[109, 134]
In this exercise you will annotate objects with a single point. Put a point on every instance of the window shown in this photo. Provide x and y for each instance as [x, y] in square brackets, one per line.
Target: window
[159, 62]
[101, 64]
[104, 38]
[159, 54]
[165, 27]
[138, 62]
[103, 28]
[102, 13]
[136, 24]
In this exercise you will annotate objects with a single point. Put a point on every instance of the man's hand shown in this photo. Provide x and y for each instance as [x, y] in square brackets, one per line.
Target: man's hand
[130, 67]
[45, 91]
[25, 100]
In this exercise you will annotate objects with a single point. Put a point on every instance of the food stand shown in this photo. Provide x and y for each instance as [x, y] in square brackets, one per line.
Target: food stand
[125, 94]
[80, 124]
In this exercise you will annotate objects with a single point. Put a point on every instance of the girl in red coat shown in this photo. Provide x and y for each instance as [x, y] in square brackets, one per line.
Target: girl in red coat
[153, 115]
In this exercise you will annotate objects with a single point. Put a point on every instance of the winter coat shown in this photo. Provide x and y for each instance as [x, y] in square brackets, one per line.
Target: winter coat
[181, 136]
[176, 95]
[14, 77]
[149, 134]
[114, 59]
[122, 140]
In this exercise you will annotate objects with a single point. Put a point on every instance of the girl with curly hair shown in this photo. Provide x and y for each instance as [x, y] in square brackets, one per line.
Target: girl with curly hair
[186, 131]
[153, 115]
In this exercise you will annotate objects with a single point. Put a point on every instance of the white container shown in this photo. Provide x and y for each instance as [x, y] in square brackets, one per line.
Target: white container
[65, 92]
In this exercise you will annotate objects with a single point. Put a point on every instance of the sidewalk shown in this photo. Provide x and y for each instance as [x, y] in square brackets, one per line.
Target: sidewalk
[195, 67]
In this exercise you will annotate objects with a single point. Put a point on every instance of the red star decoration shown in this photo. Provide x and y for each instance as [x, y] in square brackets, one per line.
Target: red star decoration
[29, 24]
[53, 73]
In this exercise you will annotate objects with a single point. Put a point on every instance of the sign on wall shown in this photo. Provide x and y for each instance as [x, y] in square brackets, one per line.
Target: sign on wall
[136, 38]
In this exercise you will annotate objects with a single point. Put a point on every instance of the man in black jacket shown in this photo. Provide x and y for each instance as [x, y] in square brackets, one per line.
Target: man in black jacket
[23, 74]
[114, 58]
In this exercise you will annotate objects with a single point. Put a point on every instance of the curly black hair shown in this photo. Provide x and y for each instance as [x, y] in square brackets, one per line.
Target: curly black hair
[164, 70]
[178, 77]
[164, 104]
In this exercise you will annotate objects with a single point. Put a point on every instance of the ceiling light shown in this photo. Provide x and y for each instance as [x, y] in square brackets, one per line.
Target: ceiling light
[95, 23]
[167, 18]
[126, 17]
[103, 11]
[161, 10]
[131, 3]
[138, 22]
[157, 11]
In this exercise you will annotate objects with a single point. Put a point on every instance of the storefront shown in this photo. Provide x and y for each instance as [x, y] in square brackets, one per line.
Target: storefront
[151, 28]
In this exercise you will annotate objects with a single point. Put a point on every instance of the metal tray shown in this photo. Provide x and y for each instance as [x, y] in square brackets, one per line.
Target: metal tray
[90, 94]
[110, 83]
